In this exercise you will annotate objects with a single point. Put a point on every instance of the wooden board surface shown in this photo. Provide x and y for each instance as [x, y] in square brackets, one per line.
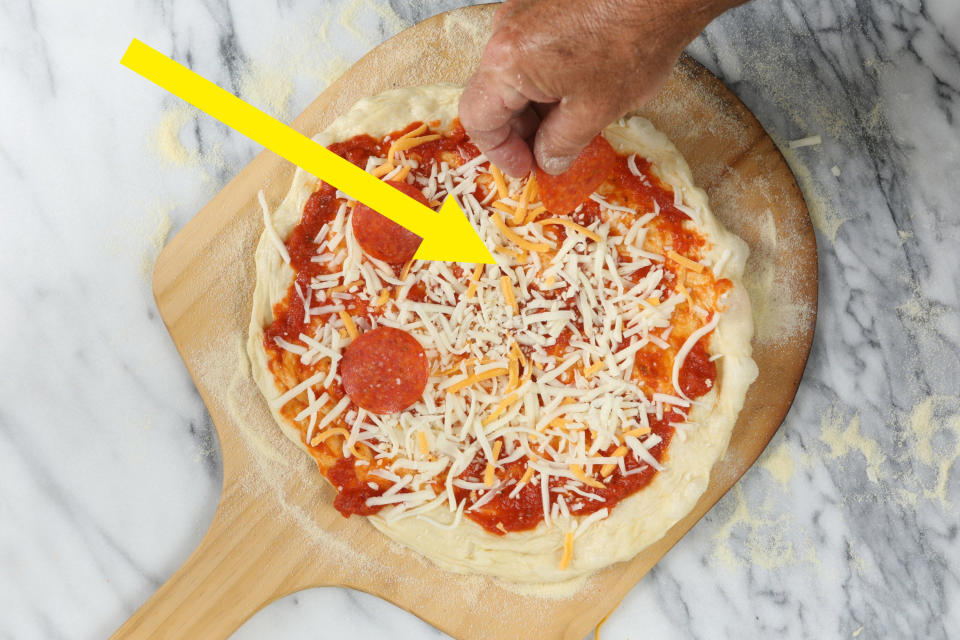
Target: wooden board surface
[275, 531]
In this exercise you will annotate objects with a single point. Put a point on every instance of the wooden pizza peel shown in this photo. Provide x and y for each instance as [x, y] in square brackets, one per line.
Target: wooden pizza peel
[275, 530]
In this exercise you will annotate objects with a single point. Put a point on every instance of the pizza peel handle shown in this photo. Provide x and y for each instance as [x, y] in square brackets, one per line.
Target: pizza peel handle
[244, 562]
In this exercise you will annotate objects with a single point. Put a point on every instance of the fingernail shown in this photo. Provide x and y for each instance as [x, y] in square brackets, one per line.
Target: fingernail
[557, 164]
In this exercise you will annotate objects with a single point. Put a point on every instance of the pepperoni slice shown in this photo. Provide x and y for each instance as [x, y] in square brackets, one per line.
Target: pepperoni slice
[563, 193]
[384, 370]
[383, 238]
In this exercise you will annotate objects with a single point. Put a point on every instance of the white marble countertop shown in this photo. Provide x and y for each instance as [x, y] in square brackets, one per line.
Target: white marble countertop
[109, 465]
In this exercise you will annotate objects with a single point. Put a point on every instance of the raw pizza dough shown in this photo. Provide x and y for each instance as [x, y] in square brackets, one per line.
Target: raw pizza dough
[531, 556]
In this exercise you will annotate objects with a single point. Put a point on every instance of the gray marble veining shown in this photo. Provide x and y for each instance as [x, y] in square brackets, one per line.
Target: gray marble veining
[109, 466]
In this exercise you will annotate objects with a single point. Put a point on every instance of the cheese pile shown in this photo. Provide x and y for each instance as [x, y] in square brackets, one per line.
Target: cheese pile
[499, 386]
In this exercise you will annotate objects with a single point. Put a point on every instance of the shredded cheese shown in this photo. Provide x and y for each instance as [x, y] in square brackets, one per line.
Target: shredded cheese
[271, 230]
[533, 213]
[506, 402]
[405, 143]
[383, 169]
[507, 287]
[323, 435]
[579, 474]
[474, 278]
[520, 214]
[488, 474]
[685, 261]
[501, 184]
[475, 378]
[551, 404]
[688, 345]
[567, 551]
[406, 269]
[592, 369]
[607, 469]
[422, 442]
[570, 224]
[349, 324]
[516, 239]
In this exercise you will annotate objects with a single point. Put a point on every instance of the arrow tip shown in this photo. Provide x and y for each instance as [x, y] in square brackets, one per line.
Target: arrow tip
[453, 239]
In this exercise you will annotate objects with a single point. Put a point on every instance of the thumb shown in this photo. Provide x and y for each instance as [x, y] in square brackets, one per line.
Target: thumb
[565, 129]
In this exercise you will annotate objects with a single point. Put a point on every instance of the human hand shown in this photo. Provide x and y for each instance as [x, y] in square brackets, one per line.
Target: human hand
[561, 70]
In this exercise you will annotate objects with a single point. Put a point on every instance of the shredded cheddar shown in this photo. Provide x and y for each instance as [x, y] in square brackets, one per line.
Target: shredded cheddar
[382, 298]
[607, 469]
[405, 144]
[592, 369]
[422, 442]
[511, 299]
[477, 377]
[383, 169]
[414, 132]
[344, 287]
[515, 348]
[498, 180]
[526, 475]
[639, 431]
[577, 471]
[504, 207]
[567, 551]
[366, 451]
[533, 213]
[514, 367]
[472, 288]
[515, 238]
[350, 325]
[520, 214]
[603, 620]
[506, 402]
[456, 369]
[488, 474]
[509, 252]
[403, 173]
[323, 435]
[570, 224]
[406, 269]
[685, 262]
[466, 362]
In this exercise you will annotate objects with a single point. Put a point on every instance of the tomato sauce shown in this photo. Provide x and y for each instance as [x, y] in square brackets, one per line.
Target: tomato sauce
[523, 511]
[352, 492]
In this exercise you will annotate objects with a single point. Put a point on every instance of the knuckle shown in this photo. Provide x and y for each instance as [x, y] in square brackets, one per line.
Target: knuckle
[504, 50]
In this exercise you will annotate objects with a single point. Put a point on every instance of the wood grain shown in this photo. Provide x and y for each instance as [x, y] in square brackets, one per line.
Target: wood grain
[275, 531]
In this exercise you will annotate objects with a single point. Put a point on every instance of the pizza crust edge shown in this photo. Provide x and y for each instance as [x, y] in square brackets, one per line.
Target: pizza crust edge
[636, 522]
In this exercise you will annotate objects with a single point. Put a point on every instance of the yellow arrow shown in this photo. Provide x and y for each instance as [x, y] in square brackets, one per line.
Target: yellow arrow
[447, 234]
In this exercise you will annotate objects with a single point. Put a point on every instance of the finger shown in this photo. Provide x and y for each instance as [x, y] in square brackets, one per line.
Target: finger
[513, 156]
[487, 107]
[527, 123]
[566, 129]
[496, 118]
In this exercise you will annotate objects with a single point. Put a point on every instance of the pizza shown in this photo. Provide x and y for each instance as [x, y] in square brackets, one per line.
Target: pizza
[536, 419]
